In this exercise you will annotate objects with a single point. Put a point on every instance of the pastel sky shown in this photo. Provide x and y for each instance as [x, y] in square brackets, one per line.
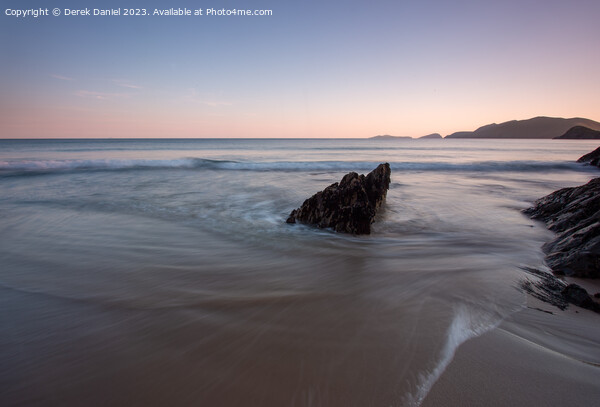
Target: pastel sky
[312, 69]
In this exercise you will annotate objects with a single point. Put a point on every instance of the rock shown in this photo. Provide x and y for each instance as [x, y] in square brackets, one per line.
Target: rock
[574, 214]
[554, 291]
[567, 207]
[546, 287]
[580, 133]
[577, 295]
[349, 206]
[592, 158]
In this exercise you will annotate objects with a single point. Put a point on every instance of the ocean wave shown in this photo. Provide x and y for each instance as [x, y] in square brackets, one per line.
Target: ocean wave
[49, 166]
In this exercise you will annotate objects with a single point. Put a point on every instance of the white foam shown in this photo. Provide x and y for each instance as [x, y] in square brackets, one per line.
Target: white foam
[200, 163]
[466, 324]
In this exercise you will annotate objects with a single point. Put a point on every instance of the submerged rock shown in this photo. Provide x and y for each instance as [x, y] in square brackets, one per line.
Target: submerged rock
[592, 158]
[554, 291]
[349, 206]
[574, 214]
[577, 295]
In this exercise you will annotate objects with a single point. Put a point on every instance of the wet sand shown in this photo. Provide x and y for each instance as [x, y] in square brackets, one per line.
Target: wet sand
[551, 360]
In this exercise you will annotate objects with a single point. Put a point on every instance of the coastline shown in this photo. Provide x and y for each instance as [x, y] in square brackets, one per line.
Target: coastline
[171, 263]
[542, 355]
[539, 356]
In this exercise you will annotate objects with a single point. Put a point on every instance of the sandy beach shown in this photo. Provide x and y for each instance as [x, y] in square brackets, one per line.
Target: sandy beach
[161, 272]
[540, 356]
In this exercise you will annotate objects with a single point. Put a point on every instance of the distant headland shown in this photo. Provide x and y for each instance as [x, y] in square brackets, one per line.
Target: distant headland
[535, 128]
[387, 137]
[433, 136]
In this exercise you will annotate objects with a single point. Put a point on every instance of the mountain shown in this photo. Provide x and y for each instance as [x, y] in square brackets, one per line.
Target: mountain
[433, 135]
[580, 133]
[536, 128]
[387, 137]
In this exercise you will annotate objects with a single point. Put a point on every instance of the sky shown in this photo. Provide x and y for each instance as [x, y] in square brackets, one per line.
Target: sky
[311, 69]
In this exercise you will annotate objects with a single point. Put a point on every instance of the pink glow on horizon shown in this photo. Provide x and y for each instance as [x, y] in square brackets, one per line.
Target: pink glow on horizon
[401, 68]
[123, 117]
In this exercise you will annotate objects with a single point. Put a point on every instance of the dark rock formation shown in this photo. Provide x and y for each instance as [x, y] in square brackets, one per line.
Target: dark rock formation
[546, 287]
[552, 290]
[574, 214]
[580, 133]
[577, 295]
[348, 206]
[592, 158]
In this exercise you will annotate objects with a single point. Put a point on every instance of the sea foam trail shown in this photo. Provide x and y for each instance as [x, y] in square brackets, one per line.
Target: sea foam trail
[465, 325]
[49, 166]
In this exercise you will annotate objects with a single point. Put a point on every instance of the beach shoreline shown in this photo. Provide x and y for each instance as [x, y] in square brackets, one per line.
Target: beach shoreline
[539, 356]
[165, 272]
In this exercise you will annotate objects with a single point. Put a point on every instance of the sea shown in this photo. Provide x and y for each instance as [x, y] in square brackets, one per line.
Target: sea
[155, 272]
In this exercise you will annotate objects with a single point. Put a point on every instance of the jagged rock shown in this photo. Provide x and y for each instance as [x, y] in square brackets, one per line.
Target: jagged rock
[349, 206]
[592, 158]
[554, 291]
[546, 287]
[574, 214]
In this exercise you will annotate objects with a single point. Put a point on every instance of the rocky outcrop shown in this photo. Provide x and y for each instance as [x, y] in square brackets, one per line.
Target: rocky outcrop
[552, 290]
[592, 158]
[577, 295]
[574, 214]
[580, 133]
[349, 206]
